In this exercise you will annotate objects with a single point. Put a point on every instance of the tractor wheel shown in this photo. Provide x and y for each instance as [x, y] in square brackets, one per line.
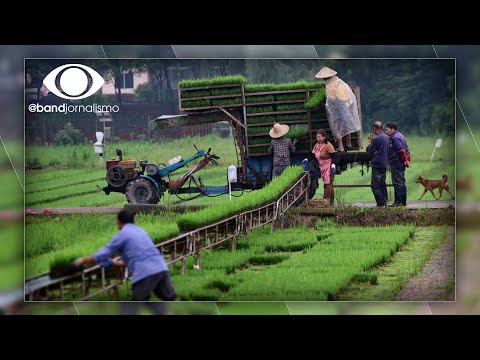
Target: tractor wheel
[141, 191]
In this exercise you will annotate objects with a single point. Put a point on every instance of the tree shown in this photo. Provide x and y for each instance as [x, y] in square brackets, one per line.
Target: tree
[69, 136]
[158, 72]
[111, 70]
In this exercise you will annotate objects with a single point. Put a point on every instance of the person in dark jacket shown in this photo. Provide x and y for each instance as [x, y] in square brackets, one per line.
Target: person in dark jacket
[310, 164]
[378, 148]
[398, 160]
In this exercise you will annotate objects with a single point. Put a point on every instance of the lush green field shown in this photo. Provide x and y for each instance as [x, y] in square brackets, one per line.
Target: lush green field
[72, 174]
[11, 276]
[12, 242]
[83, 156]
[261, 268]
[11, 193]
[11, 256]
[57, 241]
[50, 240]
[287, 265]
[468, 164]
[67, 187]
[15, 151]
[74, 187]
[400, 267]
[283, 267]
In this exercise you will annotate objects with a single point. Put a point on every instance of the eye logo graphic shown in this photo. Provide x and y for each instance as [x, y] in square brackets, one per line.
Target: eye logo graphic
[73, 81]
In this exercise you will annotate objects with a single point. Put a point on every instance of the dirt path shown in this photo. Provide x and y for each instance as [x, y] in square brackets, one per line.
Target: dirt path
[109, 209]
[180, 207]
[436, 281]
[415, 204]
[77, 210]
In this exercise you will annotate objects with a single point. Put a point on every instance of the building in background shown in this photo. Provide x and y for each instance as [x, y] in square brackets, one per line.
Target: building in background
[128, 82]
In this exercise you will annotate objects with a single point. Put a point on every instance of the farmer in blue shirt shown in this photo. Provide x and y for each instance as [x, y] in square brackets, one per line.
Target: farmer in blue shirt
[398, 159]
[144, 261]
[378, 148]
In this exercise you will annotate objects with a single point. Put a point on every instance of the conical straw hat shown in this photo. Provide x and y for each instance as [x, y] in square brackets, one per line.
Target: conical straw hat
[325, 72]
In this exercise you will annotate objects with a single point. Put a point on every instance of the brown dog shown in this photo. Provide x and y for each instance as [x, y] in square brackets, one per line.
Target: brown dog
[431, 185]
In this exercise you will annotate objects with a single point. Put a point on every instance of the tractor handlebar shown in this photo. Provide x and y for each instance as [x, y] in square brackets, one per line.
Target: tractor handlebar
[203, 153]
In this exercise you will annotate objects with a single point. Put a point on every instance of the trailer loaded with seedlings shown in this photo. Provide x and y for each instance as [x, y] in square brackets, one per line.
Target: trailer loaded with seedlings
[251, 110]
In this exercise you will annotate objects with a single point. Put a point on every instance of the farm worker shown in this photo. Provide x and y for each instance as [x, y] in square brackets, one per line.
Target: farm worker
[378, 148]
[310, 164]
[341, 107]
[398, 160]
[323, 151]
[281, 147]
[144, 261]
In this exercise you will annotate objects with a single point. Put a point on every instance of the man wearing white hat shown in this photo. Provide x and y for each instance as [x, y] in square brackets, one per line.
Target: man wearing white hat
[281, 147]
[341, 107]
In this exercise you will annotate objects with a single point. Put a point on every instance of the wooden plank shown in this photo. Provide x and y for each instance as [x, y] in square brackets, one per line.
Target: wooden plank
[277, 102]
[309, 116]
[245, 126]
[278, 112]
[283, 122]
[210, 97]
[266, 154]
[258, 134]
[232, 117]
[258, 154]
[267, 144]
[259, 145]
[310, 141]
[211, 87]
[211, 107]
[242, 92]
[238, 134]
[355, 186]
[274, 92]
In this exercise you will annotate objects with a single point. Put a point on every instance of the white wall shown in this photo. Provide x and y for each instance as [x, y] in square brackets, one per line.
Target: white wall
[138, 79]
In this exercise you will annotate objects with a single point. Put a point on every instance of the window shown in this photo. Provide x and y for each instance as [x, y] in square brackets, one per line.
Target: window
[125, 81]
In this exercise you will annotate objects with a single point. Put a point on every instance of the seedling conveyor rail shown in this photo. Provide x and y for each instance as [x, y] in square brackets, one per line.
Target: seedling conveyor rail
[96, 280]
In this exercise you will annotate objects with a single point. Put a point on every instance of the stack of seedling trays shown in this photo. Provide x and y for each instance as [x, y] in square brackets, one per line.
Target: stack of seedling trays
[285, 103]
[301, 105]
[208, 94]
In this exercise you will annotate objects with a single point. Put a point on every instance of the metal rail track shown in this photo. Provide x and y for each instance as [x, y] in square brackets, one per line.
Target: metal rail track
[97, 280]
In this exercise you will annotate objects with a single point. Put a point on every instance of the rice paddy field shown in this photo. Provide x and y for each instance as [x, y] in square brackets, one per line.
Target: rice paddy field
[63, 182]
[294, 264]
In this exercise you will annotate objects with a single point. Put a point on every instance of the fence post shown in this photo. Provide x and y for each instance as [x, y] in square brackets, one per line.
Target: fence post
[184, 266]
[197, 261]
[307, 191]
